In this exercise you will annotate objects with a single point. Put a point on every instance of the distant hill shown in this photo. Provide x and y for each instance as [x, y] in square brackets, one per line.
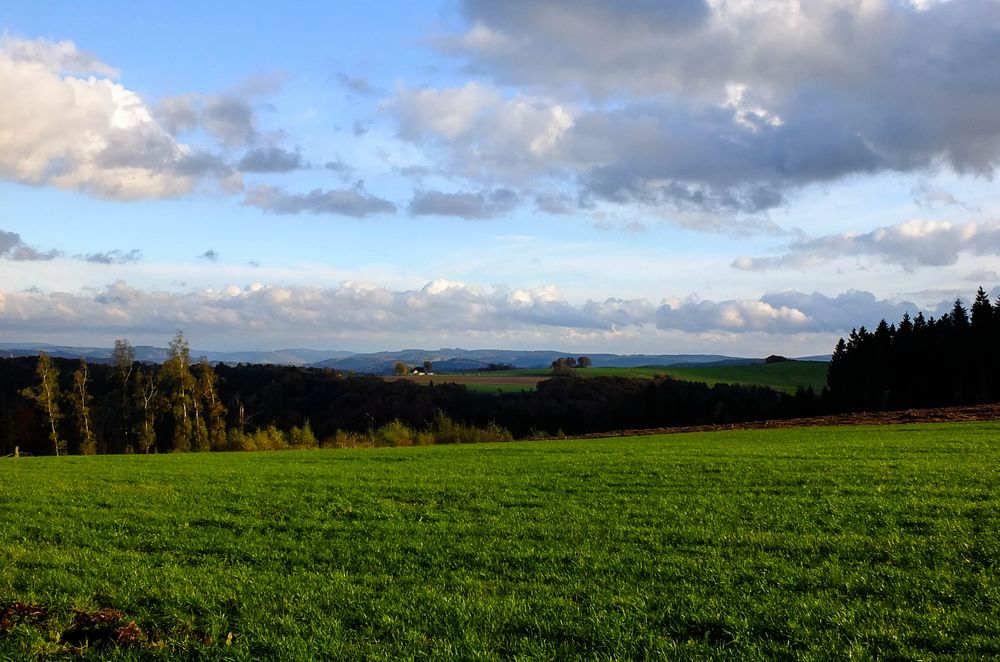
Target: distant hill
[469, 360]
[444, 360]
[152, 354]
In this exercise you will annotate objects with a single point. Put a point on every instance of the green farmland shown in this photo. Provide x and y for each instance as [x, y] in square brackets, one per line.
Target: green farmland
[872, 542]
[786, 376]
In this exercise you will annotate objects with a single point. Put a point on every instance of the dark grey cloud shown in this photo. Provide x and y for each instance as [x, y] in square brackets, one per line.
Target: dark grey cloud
[725, 107]
[356, 84]
[481, 205]
[270, 159]
[338, 167]
[555, 203]
[211, 255]
[355, 201]
[178, 114]
[112, 257]
[199, 163]
[13, 248]
[228, 117]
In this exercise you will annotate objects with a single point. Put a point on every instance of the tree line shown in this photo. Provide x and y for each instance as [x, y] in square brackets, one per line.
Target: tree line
[920, 362]
[52, 405]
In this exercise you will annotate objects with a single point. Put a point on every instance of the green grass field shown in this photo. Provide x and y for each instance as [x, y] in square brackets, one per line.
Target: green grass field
[786, 376]
[822, 542]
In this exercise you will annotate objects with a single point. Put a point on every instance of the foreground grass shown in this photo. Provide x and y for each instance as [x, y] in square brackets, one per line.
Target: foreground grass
[869, 542]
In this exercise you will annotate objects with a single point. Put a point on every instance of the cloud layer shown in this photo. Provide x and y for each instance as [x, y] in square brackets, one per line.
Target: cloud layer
[724, 106]
[915, 243]
[445, 309]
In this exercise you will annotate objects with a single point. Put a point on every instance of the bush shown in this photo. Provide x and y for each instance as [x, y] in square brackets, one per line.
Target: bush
[302, 437]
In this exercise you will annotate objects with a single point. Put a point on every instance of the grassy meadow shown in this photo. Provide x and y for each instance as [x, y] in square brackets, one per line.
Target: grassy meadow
[760, 544]
[786, 376]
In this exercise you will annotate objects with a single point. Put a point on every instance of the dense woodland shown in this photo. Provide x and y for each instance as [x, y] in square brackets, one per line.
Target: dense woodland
[50, 405]
[953, 360]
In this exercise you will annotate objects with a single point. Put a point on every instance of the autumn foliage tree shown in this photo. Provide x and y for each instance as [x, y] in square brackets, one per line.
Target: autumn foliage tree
[123, 359]
[80, 398]
[214, 412]
[150, 403]
[179, 385]
[45, 396]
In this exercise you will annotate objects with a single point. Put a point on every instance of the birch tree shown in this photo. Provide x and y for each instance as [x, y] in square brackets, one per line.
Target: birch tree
[81, 399]
[151, 404]
[214, 410]
[45, 395]
[124, 362]
[179, 386]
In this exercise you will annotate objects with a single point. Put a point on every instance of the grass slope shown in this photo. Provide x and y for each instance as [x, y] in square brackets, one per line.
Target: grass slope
[786, 376]
[869, 542]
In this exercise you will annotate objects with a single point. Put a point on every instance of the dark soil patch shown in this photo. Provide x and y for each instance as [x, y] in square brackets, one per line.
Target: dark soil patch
[935, 415]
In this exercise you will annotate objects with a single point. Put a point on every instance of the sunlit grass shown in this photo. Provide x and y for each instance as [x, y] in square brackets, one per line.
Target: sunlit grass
[872, 541]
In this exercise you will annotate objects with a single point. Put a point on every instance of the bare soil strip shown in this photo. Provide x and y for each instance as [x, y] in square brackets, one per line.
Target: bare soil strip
[935, 415]
[469, 379]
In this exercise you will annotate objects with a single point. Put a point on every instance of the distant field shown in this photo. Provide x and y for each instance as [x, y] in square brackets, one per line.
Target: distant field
[787, 376]
[869, 542]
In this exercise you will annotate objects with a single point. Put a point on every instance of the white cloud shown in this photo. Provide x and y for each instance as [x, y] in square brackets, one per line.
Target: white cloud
[89, 133]
[480, 130]
[443, 309]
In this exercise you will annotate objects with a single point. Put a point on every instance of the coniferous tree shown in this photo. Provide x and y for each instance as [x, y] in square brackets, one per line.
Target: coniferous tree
[923, 362]
[982, 332]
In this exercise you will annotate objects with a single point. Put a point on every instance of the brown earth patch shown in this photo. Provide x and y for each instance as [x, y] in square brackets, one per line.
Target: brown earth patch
[523, 380]
[90, 629]
[934, 415]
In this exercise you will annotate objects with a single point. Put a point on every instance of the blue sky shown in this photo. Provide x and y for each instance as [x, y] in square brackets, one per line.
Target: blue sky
[715, 176]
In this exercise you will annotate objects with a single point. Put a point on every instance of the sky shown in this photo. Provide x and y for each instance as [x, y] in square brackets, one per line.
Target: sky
[689, 176]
